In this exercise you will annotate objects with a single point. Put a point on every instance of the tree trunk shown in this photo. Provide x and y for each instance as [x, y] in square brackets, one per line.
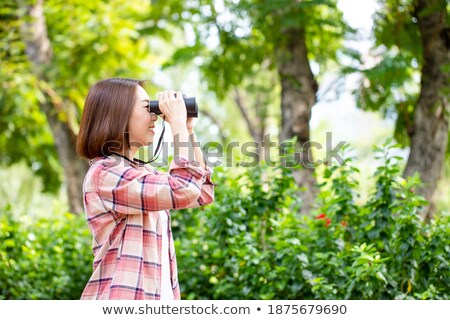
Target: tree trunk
[431, 129]
[298, 95]
[39, 52]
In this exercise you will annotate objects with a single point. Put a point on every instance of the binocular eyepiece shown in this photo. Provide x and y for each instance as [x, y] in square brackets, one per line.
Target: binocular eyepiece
[191, 107]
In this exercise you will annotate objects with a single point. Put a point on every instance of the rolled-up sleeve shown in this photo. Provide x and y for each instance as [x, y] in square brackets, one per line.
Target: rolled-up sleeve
[128, 190]
[207, 191]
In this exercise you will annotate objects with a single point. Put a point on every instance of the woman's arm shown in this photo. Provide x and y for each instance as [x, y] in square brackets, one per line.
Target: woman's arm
[207, 188]
[206, 195]
[128, 190]
[198, 154]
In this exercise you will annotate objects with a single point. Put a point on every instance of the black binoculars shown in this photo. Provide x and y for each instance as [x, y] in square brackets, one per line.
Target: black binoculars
[191, 107]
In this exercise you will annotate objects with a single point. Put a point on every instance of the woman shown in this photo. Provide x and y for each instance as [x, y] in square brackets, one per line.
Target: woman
[127, 203]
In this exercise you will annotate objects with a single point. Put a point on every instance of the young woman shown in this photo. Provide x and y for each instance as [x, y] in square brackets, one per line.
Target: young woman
[127, 203]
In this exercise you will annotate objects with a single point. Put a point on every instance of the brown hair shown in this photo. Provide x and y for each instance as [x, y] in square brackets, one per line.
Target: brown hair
[107, 111]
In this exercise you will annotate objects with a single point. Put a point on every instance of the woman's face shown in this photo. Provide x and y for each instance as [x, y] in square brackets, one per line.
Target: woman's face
[142, 123]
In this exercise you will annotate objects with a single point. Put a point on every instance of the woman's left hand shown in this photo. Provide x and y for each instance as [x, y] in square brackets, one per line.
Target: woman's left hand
[190, 124]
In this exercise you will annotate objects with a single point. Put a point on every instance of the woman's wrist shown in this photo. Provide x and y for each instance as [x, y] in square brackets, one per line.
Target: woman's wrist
[177, 124]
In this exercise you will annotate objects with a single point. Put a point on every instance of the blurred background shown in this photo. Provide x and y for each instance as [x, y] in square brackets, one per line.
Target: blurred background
[370, 73]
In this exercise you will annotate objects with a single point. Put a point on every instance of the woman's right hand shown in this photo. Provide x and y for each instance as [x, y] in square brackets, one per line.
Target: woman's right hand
[172, 106]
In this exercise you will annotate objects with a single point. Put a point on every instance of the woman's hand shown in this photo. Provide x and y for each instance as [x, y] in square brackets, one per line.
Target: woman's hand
[172, 106]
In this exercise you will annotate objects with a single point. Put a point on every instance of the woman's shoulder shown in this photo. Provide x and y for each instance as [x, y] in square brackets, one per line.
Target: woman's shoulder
[117, 165]
[111, 161]
[101, 165]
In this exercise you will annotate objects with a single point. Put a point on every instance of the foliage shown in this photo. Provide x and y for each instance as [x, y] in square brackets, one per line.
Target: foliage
[47, 258]
[23, 127]
[97, 40]
[251, 244]
[236, 46]
[249, 33]
[392, 85]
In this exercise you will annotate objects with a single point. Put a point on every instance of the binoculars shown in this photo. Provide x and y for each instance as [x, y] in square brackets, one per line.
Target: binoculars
[191, 107]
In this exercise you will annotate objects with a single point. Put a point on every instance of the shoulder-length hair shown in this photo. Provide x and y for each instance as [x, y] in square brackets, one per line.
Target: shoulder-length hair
[107, 112]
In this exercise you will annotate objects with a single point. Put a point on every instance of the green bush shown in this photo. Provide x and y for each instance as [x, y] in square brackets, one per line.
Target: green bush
[44, 258]
[251, 243]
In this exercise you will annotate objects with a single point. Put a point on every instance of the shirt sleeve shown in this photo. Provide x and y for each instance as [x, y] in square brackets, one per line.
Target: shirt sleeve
[127, 190]
[207, 191]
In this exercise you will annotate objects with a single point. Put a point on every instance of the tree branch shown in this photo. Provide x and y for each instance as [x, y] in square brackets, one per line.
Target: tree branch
[250, 125]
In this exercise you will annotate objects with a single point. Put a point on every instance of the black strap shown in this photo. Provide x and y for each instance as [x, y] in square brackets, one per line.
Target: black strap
[122, 156]
[158, 147]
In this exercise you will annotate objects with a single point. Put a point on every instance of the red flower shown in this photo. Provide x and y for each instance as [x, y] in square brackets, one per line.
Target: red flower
[321, 216]
[324, 216]
[344, 223]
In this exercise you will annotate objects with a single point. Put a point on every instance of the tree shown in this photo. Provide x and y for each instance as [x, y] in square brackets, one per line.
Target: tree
[24, 132]
[39, 52]
[283, 35]
[429, 138]
[49, 62]
[416, 35]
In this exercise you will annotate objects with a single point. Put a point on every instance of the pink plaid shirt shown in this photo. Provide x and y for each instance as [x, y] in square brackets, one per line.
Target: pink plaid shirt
[123, 202]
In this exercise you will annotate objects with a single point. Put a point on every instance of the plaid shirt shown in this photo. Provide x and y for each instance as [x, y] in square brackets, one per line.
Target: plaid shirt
[123, 202]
